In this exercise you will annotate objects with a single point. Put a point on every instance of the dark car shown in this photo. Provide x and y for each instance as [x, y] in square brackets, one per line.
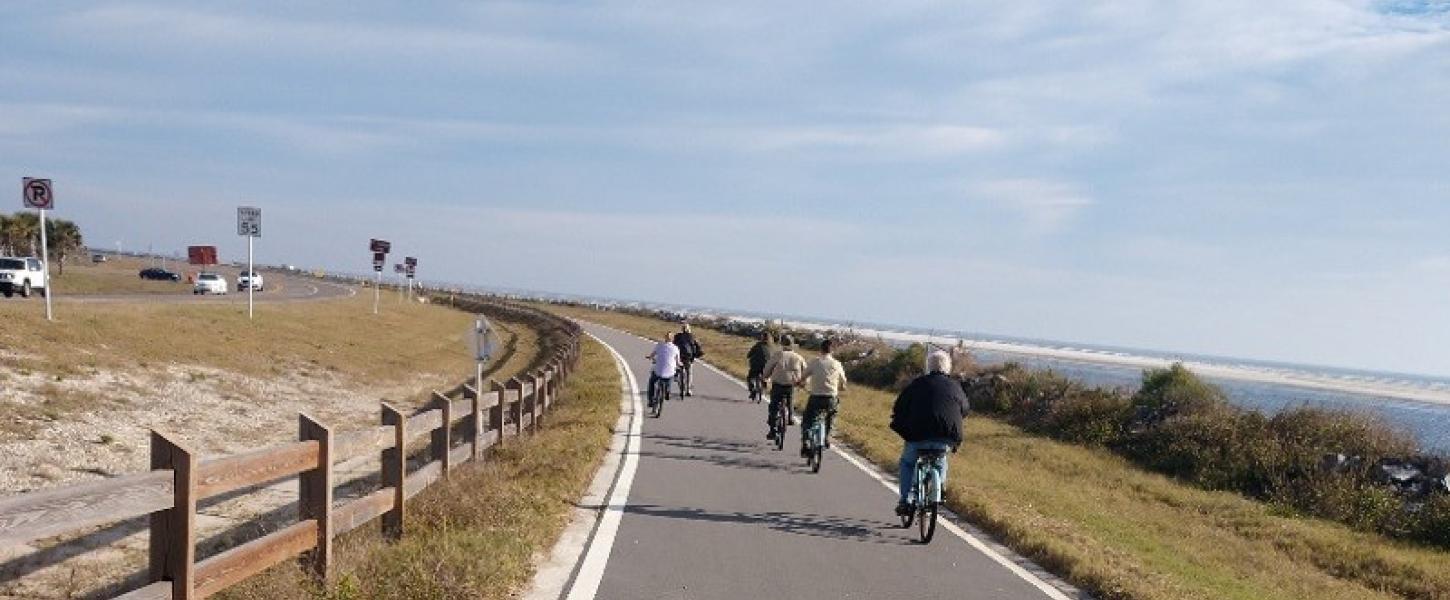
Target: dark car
[156, 274]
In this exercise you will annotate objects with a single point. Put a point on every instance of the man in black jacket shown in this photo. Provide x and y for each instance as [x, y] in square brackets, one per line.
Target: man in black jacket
[689, 351]
[928, 416]
[758, 357]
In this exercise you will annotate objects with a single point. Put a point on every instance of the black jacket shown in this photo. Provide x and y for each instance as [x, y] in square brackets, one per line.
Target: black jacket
[930, 408]
[758, 356]
[689, 348]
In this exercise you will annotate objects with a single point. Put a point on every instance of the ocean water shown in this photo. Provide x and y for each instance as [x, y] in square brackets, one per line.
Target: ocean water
[1429, 423]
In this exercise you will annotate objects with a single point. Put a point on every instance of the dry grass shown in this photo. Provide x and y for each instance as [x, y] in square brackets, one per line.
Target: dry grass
[477, 535]
[1119, 531]
[341, 337]
[117, 276]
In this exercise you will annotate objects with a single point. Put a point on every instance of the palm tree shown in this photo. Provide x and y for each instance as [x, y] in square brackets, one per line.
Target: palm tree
[5, 243]
[22, 230]
[65, 240]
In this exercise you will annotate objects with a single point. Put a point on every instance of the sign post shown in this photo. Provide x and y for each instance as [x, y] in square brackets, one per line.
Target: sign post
[482, 345]
[410, 265]
[380, 250]
[249, 225]
[39, 195]
[399, 271]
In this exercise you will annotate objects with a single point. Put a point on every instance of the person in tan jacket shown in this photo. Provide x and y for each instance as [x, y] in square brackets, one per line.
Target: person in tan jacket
[785, 371]
[825, 378]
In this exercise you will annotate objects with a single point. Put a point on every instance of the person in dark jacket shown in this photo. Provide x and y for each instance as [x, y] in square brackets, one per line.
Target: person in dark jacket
[758, 356]
[689, 351]
[928, 416]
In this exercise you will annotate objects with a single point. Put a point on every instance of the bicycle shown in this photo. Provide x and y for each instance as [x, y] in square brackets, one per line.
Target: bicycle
[756, 385]
[684, 378]
[658, 393]
[926, 493]
[781, 420]
[815, 442]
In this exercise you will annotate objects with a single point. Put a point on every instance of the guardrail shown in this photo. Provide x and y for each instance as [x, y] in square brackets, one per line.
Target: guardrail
[459, 430]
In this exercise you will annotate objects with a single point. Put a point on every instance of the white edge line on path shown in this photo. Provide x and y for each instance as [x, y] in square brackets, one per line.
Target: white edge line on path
[971, 540]
[596, 558]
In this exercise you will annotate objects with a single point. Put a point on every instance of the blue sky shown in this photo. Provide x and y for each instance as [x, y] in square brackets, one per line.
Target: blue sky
[1254, 179]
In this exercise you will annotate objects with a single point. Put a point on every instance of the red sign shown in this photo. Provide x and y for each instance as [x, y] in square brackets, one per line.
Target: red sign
[201, 255]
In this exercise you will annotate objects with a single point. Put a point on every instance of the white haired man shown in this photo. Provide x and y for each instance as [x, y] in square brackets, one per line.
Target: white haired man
[928, 416]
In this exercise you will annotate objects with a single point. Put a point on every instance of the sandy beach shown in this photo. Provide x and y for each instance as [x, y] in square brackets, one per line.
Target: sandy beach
[1368, 387]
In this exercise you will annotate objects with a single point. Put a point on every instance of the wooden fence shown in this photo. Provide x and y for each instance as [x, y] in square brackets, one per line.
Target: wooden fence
[459, 430]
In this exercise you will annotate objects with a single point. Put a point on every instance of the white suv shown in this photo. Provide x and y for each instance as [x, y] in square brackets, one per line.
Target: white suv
[23, 276]
[249, 278]
[210, 283]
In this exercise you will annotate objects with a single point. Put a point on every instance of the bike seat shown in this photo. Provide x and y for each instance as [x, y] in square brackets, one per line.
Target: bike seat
[930, 455]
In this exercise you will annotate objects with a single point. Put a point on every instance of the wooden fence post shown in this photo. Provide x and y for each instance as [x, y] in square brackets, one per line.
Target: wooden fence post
[475, 421]
[443, 435]
[541, 396]
[314, 498]
[395, 470]
[173, 531]
[518, 407]
[495, 414]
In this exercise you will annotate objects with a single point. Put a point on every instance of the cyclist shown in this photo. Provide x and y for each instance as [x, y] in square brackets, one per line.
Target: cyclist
[666, 359]
[928, 416]
[784, 371]
[758, 357]
[689, 351]
[825, 378]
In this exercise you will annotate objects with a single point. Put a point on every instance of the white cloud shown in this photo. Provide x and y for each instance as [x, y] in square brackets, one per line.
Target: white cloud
[1046, 206]
[168, 27]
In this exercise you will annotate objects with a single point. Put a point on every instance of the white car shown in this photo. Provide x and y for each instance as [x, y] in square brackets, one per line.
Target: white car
[22, 276]
[249, 278]
[210, 283]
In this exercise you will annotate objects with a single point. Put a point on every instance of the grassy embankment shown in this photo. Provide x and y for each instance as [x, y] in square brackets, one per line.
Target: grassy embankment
[1111, 527]
[407, 347]
[476, 535]
[119, 275]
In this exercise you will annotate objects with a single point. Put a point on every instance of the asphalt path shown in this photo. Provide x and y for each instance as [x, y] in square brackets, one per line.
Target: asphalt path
[279, 289]
[714, 512]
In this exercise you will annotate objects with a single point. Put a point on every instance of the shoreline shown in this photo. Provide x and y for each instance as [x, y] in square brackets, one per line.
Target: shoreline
[1371, 390]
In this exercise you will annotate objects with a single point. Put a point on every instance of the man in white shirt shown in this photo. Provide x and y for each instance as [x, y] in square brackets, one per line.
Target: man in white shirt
[666, 358]
[825, 378]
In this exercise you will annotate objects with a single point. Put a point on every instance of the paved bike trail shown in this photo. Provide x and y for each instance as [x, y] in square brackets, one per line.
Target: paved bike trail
[715, 511]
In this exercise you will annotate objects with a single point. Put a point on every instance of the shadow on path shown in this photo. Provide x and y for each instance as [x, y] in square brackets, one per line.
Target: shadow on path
[812, 525]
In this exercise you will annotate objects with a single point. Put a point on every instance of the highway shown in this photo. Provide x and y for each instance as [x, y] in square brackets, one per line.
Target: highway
[280, 289]
[703, 508]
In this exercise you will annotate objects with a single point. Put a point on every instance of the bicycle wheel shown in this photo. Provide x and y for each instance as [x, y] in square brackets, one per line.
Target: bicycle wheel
[780, 424]
[927, 522]
[657, 404]
[817, 455]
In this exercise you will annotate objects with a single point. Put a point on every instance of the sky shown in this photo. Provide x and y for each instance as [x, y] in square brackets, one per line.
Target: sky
[1244, 178]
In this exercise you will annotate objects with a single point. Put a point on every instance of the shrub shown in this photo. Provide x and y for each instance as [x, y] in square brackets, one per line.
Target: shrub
[1175, 390]
[1089, 416]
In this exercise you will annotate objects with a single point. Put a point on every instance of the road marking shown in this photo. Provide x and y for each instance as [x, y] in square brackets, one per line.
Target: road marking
[1031, 578]
[596, 558]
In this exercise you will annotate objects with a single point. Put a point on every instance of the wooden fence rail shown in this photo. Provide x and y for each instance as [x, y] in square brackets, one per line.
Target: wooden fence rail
[459, 430]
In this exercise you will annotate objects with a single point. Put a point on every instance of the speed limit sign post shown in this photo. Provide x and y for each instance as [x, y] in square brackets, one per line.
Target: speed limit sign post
[38, 194]
[249, 225]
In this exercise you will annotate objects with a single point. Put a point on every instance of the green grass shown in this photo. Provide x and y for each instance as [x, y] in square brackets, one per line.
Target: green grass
[478, 534]
[1117, 530]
